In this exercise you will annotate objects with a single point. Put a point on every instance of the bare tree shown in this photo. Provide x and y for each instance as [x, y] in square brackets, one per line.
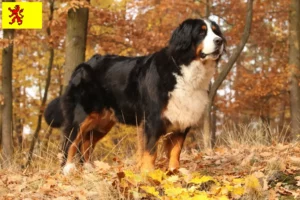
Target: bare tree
[7, 60]
[75, 52]
[76, 40]
[44, 99]
[208, 136]
[294, 63]
[17, 120]
[1, 108]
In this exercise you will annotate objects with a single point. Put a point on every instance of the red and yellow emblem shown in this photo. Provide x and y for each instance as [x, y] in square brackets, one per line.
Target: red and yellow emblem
[22, 15]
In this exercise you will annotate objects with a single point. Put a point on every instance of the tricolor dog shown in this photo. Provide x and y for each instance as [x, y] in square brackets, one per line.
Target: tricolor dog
[164, 92]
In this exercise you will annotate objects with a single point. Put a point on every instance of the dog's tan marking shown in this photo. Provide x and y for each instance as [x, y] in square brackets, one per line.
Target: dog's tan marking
[199, 49]
[89, 143]
[204, 27]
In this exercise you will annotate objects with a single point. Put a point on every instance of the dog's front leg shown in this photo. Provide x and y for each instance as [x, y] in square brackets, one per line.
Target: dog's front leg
[173, 146]
[153, 131]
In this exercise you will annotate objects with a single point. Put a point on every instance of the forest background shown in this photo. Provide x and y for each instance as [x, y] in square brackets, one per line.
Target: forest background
[255, 92]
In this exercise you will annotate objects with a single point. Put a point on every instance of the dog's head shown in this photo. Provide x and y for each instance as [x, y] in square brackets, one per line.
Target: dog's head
[197, 39]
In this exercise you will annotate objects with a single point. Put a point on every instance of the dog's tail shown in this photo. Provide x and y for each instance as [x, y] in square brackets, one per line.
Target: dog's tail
[53, 114]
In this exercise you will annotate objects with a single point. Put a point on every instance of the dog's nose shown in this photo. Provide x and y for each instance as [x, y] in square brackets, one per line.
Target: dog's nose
[218, 41]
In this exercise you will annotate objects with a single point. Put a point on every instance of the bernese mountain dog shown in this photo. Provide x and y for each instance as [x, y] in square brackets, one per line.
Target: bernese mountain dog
[164, 92]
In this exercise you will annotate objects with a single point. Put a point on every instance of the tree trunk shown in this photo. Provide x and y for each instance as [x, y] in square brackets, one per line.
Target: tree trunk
[77, 24]
[76, 41]
[206, 116]
[44, 99]
[294, 63]
[45, 143]
[1, 110]
[207, 134]
[7, 59]
[213, 124]
[18, 121]
[19, 132]
[281, 117]
[207, 8]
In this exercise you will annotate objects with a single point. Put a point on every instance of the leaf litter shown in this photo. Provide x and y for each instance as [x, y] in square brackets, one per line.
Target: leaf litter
[245, 172]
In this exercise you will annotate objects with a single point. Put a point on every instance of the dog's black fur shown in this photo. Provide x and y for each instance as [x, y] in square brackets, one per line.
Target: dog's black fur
[136, 88]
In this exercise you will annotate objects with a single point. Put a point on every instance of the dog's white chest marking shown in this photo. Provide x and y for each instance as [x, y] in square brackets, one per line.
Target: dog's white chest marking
[188, 99]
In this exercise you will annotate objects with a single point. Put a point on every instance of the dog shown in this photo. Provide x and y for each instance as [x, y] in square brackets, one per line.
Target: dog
[164, 92]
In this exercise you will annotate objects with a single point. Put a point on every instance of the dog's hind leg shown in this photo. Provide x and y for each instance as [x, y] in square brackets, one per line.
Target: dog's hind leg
[85, 128]
[103, 122]
[89, 143]
[70, 133]
[93, 128]
[100, 123]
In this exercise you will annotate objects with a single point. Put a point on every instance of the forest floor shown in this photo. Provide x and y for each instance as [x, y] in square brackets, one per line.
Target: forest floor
[236, 172]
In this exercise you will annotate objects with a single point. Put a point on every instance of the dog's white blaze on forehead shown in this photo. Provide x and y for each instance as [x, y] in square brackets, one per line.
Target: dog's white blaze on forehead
[208, 42]
[188, 99]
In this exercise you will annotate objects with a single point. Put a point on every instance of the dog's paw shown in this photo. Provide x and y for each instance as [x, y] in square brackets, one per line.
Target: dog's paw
[173, 165]
[69, 168]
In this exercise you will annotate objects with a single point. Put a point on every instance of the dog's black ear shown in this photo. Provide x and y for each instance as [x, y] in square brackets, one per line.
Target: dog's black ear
[182, 37]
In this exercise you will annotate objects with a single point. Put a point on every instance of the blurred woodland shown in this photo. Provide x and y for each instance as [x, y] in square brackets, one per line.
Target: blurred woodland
[261, 89]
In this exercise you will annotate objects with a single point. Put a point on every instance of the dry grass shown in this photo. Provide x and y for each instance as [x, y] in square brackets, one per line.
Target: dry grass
[255, 133]
[241, 150]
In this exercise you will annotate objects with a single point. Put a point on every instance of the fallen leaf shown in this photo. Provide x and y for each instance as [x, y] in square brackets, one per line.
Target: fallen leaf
[266, 154]
[294, 160]
[102, 166]
[252, 183]
[272, 195]
[201, 180]
[157, 175]
[151, 190]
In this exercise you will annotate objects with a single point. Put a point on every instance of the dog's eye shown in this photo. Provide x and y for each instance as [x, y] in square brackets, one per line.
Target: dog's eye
[202, 33]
